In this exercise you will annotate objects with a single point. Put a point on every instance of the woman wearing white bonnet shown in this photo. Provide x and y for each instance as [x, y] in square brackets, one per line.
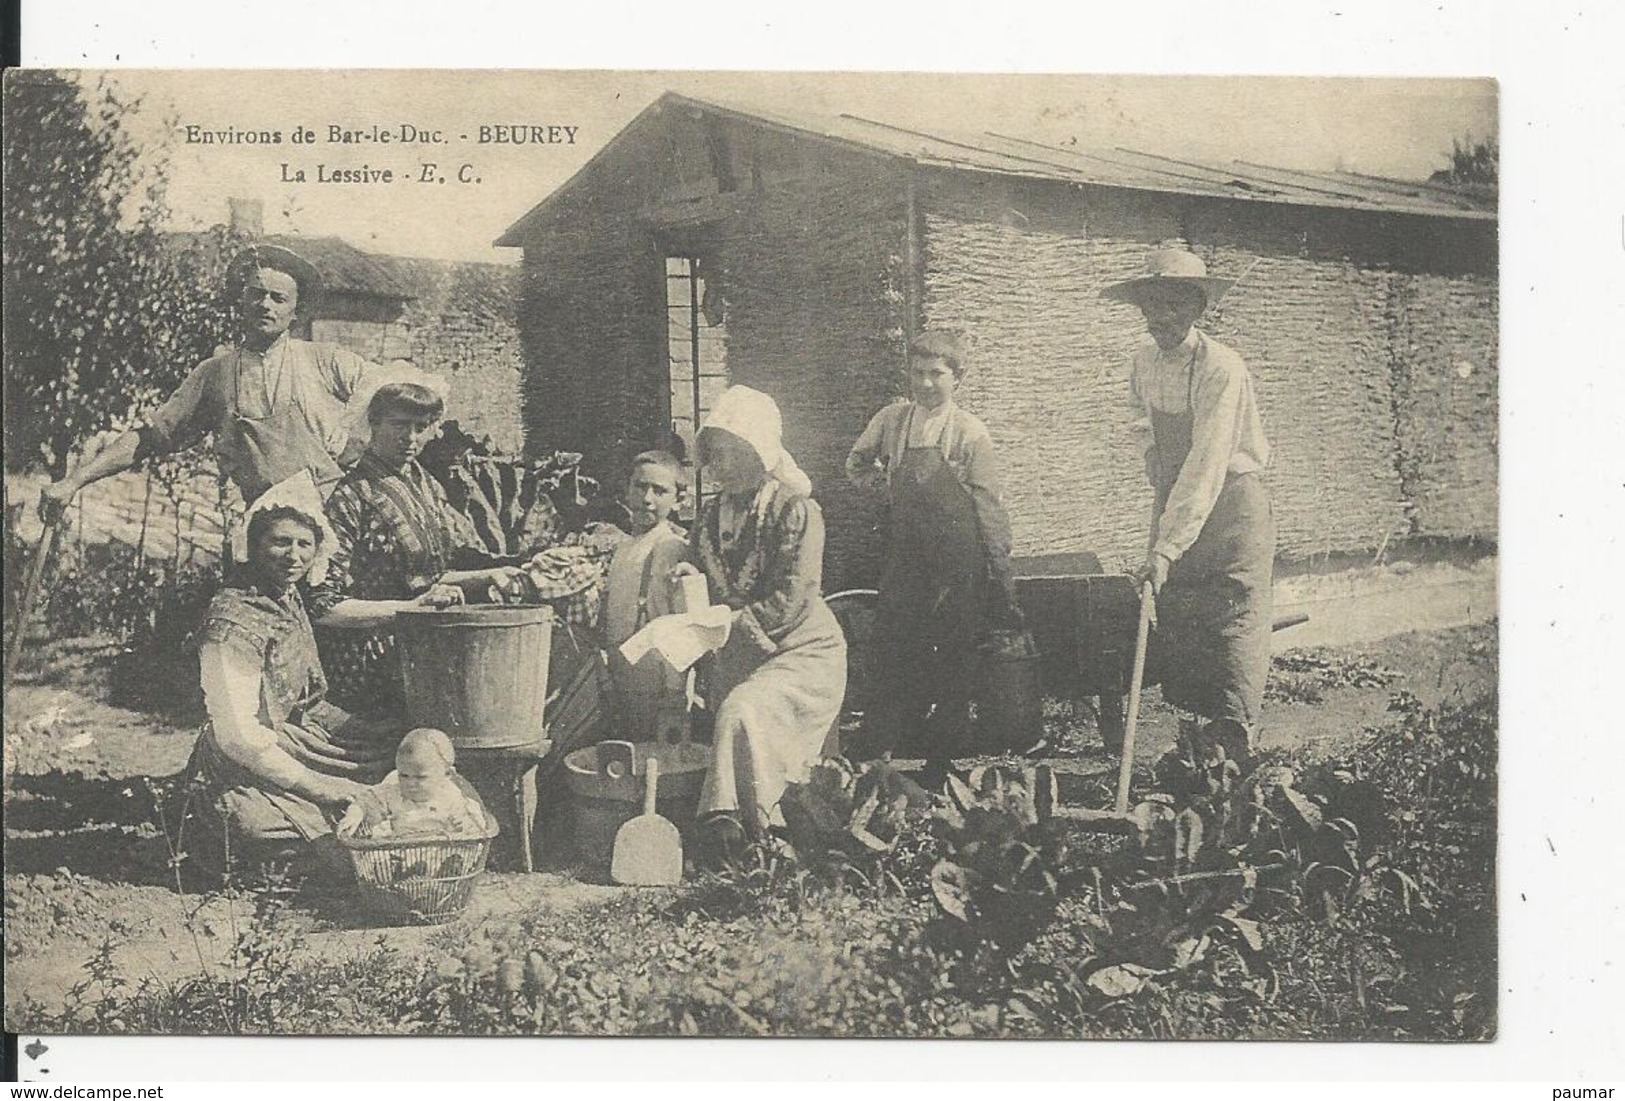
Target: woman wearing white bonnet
[277, 762]
[777, 684]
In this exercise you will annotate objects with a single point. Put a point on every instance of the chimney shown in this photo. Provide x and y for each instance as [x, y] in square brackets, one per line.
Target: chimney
[247, 217]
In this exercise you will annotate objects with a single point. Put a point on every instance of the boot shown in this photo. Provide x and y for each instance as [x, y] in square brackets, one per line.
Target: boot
[721, 841]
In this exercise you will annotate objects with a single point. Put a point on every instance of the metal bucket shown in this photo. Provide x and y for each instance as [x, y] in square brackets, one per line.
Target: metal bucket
[600, 804]
[479, 674]
[1010, 697]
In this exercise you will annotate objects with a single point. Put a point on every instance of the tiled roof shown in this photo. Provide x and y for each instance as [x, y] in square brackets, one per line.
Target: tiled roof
[343, 267]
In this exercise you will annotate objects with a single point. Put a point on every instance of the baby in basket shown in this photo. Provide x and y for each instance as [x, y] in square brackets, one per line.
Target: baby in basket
[424, 797]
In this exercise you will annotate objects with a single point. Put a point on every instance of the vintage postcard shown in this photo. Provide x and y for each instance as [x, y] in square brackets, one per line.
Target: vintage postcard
[794, 555]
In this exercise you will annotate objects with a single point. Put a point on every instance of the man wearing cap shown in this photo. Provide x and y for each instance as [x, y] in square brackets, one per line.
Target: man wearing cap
[274, 404]
[1211, 554]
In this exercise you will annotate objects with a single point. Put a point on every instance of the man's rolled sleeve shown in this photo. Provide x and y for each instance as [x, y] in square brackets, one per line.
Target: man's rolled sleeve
[182, 419]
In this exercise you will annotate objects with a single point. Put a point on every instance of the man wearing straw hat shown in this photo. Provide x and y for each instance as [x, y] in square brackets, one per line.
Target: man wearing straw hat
[275, 405]
[1211, 554]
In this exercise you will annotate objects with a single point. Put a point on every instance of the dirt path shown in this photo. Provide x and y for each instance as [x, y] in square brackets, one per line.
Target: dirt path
[87, 864]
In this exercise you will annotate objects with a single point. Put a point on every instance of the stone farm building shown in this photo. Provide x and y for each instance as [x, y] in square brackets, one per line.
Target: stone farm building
[708, 244]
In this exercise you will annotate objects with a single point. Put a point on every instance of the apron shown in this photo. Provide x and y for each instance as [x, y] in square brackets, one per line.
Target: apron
[775, 716]
[236, 808]
[239, 814]
[638, 688]
[270, 437]
[932, 609]
[1212, 645]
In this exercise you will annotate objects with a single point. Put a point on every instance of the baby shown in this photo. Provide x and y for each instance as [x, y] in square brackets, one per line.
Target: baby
[424, 796]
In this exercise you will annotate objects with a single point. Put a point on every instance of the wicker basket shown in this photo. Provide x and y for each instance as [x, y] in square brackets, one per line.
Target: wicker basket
[415, 880]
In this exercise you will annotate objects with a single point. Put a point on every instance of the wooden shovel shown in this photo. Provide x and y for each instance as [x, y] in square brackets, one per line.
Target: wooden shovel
[648, 850]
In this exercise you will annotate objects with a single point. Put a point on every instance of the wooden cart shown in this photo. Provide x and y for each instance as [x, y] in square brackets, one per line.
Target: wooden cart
[1082, 620]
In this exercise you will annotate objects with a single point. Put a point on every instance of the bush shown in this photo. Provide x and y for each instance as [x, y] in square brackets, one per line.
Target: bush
[102, 320]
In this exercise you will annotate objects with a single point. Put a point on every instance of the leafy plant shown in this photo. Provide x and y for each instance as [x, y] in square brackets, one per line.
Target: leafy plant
[1305, 676]
[866, 819]
[1295, 897]
[102, 317]
[999, 883]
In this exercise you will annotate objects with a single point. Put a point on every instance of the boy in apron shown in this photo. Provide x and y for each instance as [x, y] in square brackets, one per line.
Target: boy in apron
[651, 697]
[1211, 554]
[947, 578]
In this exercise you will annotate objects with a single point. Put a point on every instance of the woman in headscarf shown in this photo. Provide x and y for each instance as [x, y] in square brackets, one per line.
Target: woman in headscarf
[777, 683]
[398, 539]
[278, 764]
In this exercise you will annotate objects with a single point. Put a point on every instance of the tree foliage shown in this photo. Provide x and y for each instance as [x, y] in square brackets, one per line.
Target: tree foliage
[103, 318]
[1472, 163]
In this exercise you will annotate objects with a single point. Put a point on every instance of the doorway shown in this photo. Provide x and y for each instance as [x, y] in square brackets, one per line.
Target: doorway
[696, 355]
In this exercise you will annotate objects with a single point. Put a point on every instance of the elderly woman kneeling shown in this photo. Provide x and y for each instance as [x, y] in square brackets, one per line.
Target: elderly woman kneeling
[277, 763]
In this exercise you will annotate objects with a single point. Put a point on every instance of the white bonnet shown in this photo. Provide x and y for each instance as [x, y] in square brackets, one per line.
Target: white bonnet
[300, 494]
[754, 417]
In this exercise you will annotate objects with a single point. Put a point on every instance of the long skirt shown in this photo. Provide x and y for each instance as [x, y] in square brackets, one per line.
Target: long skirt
[242, 818]
[775, 716]
[1215, 612]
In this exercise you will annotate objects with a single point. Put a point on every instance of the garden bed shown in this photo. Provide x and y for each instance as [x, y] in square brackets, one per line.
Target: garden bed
[1397, 738]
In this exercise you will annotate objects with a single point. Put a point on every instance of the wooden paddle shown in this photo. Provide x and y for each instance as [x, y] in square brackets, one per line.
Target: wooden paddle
[648, 850]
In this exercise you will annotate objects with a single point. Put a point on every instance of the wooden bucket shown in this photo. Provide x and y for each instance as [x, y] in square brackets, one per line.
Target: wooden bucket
[479, 674]
[600, 804]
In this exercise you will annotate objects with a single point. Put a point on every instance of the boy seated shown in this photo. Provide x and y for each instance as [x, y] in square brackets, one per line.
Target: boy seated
[423, 797]
[651, 697]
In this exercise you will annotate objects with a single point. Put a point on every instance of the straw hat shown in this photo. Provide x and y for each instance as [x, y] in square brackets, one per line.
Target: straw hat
[1170, 267]
[255, 257]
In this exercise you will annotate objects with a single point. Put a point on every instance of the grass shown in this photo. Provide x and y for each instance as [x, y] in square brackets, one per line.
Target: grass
[1402, 949]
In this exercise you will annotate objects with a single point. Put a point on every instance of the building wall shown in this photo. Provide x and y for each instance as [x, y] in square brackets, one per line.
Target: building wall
[808, 243]
[460, 324]
[814, 270]
[463, 324]
[1446, 376]
[589, 317]
[1372, 339]
[1352, 341]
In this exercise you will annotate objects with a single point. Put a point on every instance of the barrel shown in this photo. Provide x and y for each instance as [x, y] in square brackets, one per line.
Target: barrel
[1010, 695]
[478, 673]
